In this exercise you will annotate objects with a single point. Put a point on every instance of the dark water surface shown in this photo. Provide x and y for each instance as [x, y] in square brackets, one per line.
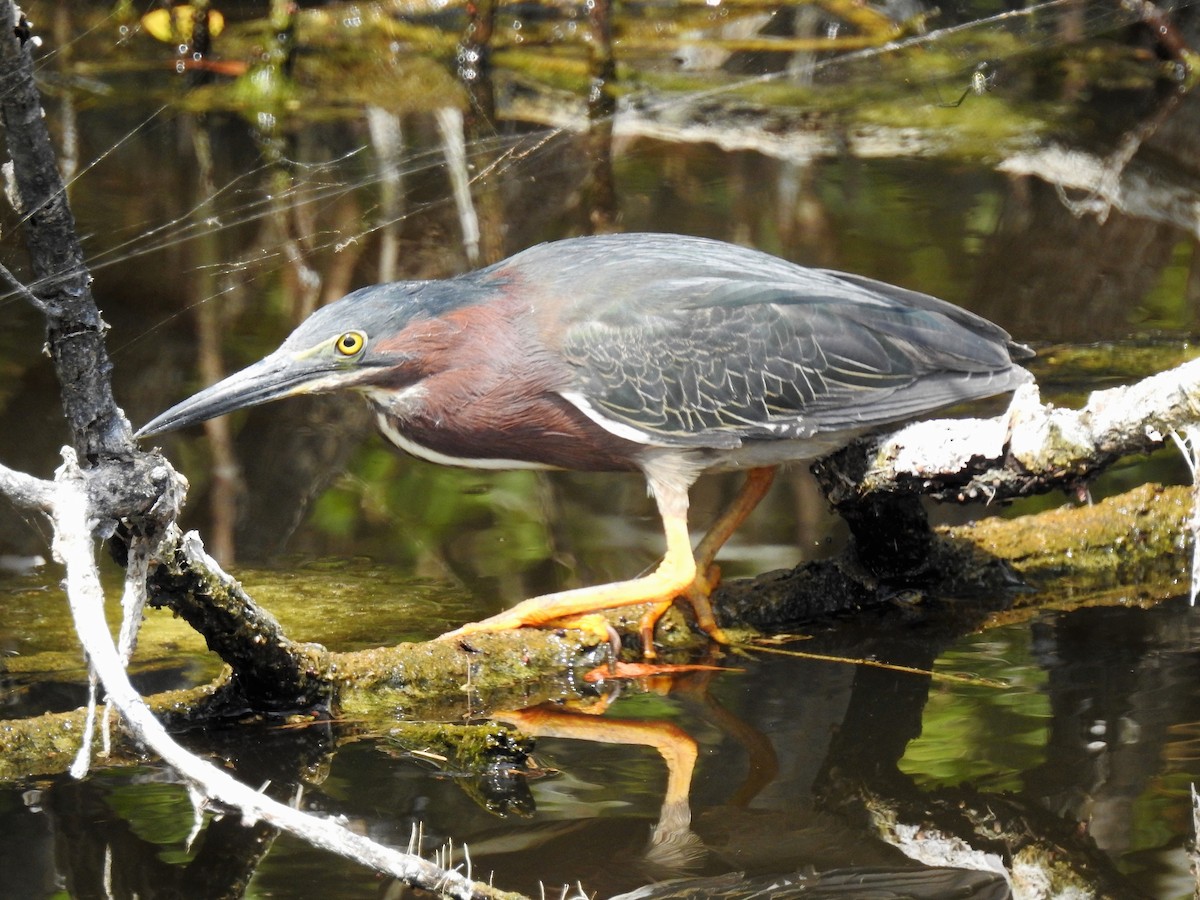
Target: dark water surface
[215, 219]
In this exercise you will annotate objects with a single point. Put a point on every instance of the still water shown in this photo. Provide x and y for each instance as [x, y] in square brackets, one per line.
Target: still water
[215, 217]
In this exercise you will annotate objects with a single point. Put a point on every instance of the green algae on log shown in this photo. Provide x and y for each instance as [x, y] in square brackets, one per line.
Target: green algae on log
[1126, 549]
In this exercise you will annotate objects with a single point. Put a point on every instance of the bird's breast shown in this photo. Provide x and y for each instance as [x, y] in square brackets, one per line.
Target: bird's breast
[501, 427]
[404, 418]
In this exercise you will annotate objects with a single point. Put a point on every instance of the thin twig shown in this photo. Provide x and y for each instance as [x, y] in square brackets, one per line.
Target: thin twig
[26, 491]
[19, 286]
[946, 677]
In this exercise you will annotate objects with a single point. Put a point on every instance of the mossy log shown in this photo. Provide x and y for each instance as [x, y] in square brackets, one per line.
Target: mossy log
[1128, 549]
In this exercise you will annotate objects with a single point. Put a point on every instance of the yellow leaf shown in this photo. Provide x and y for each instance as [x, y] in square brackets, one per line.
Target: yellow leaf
[173, 25]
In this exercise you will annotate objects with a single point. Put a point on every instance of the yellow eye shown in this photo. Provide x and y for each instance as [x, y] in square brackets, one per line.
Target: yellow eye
[351, 343]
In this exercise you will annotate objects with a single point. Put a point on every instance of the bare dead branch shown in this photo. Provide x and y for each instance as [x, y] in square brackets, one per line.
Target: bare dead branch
[71, 515]
[75, 331]
[25, 491]
[1032, 449]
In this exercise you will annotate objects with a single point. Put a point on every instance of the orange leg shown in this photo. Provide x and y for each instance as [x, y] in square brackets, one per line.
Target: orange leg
[708, 576]
[673, 575]
[681, 573]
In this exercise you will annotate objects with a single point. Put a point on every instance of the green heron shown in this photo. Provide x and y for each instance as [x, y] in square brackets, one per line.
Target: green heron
[673, 356]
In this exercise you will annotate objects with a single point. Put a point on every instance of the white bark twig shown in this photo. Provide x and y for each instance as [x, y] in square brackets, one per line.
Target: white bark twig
[1033, 443]
[1187, 439]
[66, 500]
[133, 603]
[26, 491]
[83, 756]
[1194, 849]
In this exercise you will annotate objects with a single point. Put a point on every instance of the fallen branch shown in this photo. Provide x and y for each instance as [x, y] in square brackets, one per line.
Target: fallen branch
[66, 500]
[1032, 449]
[271, 672]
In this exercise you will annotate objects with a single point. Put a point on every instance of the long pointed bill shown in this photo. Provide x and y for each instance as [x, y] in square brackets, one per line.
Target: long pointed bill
[279, 375]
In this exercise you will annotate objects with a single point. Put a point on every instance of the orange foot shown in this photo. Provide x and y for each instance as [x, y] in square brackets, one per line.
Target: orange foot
[550, 612]
[682, 573]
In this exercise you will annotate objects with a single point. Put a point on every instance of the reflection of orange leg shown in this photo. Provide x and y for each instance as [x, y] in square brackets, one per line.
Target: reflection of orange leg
[708, 576]
[678, 749]
[673, 575]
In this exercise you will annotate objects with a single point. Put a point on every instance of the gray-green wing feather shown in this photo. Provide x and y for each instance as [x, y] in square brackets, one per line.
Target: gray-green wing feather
[710, 361]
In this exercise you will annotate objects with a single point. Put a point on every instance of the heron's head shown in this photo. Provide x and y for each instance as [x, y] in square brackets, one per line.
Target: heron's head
[378, 337]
